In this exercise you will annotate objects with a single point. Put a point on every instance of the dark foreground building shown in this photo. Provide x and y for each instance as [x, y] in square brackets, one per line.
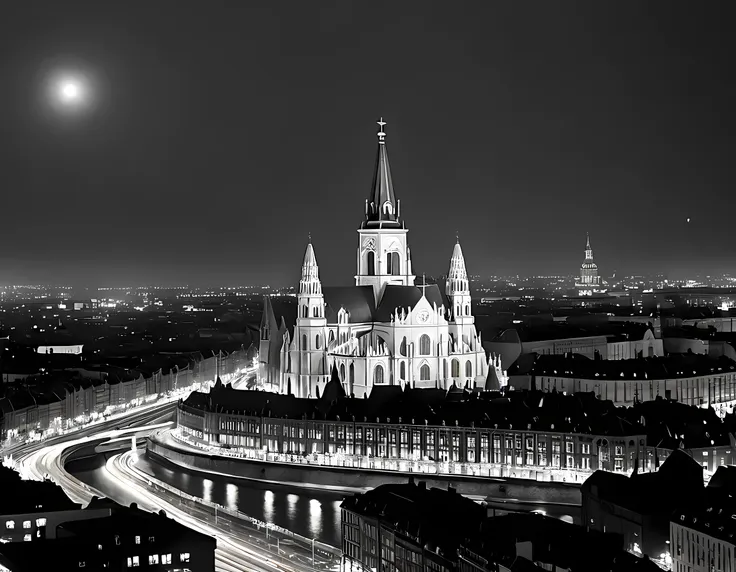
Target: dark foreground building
[412, 528]
[44, 530]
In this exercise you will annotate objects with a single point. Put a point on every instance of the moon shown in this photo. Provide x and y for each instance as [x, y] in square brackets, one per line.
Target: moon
[688, 219]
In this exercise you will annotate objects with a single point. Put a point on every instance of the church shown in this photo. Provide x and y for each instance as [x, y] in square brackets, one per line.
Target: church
[589, 282]
[385, 330]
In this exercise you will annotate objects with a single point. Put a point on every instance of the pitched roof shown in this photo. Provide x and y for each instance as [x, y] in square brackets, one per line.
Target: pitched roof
[382, 192]
[398, 296]
[358, 301]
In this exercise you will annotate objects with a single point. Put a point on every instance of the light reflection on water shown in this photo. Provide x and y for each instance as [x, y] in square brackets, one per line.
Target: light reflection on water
[314, 513]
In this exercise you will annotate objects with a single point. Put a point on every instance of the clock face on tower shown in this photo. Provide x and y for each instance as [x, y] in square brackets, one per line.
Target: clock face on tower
[423, 316]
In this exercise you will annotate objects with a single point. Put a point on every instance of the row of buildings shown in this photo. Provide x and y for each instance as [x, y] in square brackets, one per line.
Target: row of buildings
[41, 529]
[413, 528]
[668, 516]
[45, 404]
[519, 433]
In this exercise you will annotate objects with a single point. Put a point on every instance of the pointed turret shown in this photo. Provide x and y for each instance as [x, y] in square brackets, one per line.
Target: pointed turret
[310, 283]
[588, 248]
[457, 277]
[382, 208]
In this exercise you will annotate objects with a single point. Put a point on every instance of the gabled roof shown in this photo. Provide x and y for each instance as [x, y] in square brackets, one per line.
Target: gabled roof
[398, 296]
[358, 301]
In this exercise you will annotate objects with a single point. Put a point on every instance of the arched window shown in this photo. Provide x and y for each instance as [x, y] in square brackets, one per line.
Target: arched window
[402, 370]
[315, 312]
[264, 333]
[468, 369]
[402, 347]
[371, 263]
[305, 312]
[304, 341]
[332, 336]
[352, 374]
[424, 372]
[444, 368]
[342, 372]
[394, 266]
[424, 345]
[455, 368]
[467, 309]
[378, 374]
[317, 342]
[288, 361]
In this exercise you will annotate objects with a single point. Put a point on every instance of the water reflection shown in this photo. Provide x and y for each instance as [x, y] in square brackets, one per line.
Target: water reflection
[207, 490]
[313, 513]
[231, 492]
[315, 517]
[268, 498]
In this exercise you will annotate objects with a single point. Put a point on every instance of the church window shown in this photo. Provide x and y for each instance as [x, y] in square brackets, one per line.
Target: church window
[352, 374]
[467, 309]
[402, 370]
[288, 362]
[402, 347]
[264, 333]
[378, 374]
[342, 372]
[444, 368]
[388, 208]
[394, 264]
[455, 368]
[424, 345]
[305, 312]
[468, 369]
[315, 312]
[371, 263]
[317, 342]
[304, 341]
[332, 336]
[424, 372]
[457, 311]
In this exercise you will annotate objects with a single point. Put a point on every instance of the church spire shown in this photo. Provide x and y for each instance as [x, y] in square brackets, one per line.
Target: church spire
[457, 277]
[588, 248]
[310, 284]
[382, 206]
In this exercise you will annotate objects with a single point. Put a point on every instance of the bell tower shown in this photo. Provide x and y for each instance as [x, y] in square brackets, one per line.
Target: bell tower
[383, 255]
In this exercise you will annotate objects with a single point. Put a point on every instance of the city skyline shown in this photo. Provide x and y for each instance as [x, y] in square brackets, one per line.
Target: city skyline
[210, 155]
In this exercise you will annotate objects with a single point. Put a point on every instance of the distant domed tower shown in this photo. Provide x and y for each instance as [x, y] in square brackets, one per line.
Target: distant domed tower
[589, 281]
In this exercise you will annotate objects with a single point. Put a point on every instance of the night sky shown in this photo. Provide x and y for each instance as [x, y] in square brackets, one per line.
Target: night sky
[219, 134]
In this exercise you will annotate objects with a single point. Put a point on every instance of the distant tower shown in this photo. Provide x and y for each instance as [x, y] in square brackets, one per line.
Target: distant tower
[457, 288]
[383, 253]
[308, 361]
[589, 281]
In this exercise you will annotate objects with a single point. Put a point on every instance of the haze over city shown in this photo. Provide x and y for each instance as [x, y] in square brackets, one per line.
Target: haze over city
[213, 141]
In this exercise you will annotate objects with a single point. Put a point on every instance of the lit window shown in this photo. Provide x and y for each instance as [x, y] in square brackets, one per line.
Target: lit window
[153, 559]
[117, 540]
[137, 539]
[26, 524]
[99, 547]
[151, 539]
[82, 564]
[184, 557]
[166, 559]
[10, 524]
[27, 538]
[40, 522]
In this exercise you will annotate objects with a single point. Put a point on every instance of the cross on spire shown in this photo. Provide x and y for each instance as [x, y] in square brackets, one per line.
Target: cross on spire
[457, 236]
[424, 283]
[381, 134]
[309, 237]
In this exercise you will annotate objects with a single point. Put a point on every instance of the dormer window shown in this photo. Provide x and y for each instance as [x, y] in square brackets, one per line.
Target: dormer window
[388, 208]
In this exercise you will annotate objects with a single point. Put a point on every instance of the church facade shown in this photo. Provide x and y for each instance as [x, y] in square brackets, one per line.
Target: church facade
[384, 330]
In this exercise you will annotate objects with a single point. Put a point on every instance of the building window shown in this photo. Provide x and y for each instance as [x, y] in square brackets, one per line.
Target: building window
[424, 345]
[352, 374]
[153, 559]
[619, 450]
[137, 539]
[402, 370]
[402, 347]
[585, 448]
[10, 524]
[26, 524]
[317, 342]
[304, 341]
[134, 562]
[468, 369]
[371, 263]
[455, 368]
[184, 557]
[27, 538]
[342, 372]
[394, 266]
[423, 372]
[166, 559]
[378, 374]
[40, 522]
